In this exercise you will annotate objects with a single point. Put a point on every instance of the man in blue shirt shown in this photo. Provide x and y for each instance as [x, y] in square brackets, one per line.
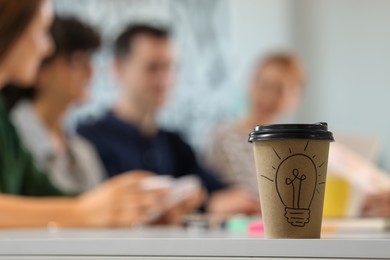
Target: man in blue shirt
[128, 137]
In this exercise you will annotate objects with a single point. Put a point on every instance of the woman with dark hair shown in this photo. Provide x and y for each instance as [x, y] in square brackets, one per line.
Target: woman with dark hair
[38, 112]
[24, 43]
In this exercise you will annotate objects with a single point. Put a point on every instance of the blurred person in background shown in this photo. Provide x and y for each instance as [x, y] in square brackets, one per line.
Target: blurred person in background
[38, 111]
[28, 198]
[128, 137]
[275, 89]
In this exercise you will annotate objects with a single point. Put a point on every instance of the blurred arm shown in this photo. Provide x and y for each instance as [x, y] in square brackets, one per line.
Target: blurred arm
[23, 212]
[118, 202]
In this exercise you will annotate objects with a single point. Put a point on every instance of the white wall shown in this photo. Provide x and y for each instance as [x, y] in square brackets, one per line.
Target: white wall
[258, 26]
[346, 46]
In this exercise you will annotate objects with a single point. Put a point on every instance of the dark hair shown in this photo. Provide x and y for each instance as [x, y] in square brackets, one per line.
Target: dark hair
[70, 35]
[124, 43]
[15, 16]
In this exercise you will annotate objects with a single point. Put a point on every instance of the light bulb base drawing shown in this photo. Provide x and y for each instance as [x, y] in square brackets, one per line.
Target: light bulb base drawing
[297, 217]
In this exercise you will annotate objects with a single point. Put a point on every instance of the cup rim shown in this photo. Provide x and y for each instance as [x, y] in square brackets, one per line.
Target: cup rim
[317, 131]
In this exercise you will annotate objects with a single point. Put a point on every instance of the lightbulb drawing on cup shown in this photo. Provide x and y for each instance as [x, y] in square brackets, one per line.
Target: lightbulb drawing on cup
[296, 182]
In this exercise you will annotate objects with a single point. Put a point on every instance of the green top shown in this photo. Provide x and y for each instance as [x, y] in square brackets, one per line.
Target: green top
[18, 174]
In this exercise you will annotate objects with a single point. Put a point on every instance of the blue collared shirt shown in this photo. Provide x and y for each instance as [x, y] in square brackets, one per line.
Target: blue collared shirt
[123, 148]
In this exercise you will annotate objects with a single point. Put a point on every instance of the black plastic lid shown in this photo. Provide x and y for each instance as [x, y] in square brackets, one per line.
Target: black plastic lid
[318, 131]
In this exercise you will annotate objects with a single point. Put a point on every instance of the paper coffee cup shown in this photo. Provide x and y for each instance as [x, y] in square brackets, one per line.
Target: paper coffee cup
[291, 164]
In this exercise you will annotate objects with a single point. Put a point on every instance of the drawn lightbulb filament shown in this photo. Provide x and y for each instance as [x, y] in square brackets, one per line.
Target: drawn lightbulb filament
[296, 184]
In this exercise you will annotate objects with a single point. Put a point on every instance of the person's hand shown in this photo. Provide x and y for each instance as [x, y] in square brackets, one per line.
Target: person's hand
[120, 202]
[174, 215]
[233, 200]
[377, 205]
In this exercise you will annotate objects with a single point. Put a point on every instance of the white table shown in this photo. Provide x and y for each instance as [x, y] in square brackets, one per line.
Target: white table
[153, 244]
